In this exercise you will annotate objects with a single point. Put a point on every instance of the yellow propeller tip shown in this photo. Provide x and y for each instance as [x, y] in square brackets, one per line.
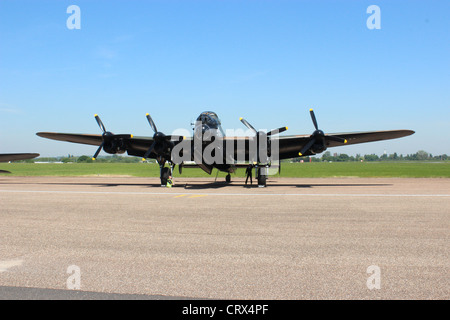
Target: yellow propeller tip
[131, 136]
[147, 114]
[345, 141]
[143, 159]
[310, 109]
[240, 119]
[286, 128]
[93, 159]
[300, 154]
[95, 115]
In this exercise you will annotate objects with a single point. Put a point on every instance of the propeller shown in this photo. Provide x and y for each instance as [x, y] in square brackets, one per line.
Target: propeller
[318, 136]
[261, 134]
[275, 131]
[109, 139]
[161, 142]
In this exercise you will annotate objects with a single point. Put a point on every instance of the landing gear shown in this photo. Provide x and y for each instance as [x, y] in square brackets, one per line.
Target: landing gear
[164, 175]
[228, 178]
[262, 181]
[261, 174]
[164, 172]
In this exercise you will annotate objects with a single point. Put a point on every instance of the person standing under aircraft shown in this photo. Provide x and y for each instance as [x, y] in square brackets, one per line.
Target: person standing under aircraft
[248, 172]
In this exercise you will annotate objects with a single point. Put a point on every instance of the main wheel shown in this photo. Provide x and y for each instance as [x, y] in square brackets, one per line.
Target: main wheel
[262, 178]
[228, 178]
[165, 173]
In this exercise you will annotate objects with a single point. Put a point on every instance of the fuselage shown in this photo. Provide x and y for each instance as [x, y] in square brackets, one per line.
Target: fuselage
[214, 151]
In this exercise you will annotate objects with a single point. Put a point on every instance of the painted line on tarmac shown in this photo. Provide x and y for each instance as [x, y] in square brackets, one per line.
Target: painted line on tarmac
[198, 195]
[5, 265]
[228, 194]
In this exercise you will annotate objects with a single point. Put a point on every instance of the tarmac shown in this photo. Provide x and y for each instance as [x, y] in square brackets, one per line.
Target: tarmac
[128, 238]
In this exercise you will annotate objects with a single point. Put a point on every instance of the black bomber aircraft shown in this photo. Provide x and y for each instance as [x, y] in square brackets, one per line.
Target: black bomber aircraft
[209, 148]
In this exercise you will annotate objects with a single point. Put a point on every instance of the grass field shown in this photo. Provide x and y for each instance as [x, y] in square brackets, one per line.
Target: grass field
[411, 169]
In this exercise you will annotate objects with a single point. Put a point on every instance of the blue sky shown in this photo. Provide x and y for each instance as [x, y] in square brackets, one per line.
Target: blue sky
[266, 61]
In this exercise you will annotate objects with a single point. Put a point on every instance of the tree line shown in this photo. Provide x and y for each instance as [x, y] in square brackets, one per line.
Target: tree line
[85, 159]
[420, 155]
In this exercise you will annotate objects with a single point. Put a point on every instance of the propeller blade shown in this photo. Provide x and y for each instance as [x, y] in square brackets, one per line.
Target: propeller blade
[98, 151]
[248, 125]
[307, 147]
[152, 124]
[149, 150]
[100, 123]
[313, 117]
[337, 139]
[276, 131]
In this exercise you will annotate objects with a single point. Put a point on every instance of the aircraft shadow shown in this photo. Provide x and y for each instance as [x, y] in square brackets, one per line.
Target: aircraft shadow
[217, 185]
[343, 185]
[207, 184]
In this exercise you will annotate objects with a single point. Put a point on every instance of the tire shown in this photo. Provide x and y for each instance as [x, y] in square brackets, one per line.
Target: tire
[262, 179]
[165, 173]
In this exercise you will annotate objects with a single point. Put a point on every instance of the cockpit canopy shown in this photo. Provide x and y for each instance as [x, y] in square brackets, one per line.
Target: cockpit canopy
[210, 119]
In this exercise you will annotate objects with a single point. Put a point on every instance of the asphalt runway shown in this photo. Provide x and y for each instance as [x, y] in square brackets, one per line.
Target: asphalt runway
[123, 237]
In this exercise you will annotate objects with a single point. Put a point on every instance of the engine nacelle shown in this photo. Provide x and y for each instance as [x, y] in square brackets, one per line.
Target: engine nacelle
[318, 148]
[114, 146]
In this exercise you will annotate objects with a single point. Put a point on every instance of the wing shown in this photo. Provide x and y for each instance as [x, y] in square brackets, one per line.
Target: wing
[5, 157]
[290, 146]
[135, 146]
[91, 139]
[371, 136]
